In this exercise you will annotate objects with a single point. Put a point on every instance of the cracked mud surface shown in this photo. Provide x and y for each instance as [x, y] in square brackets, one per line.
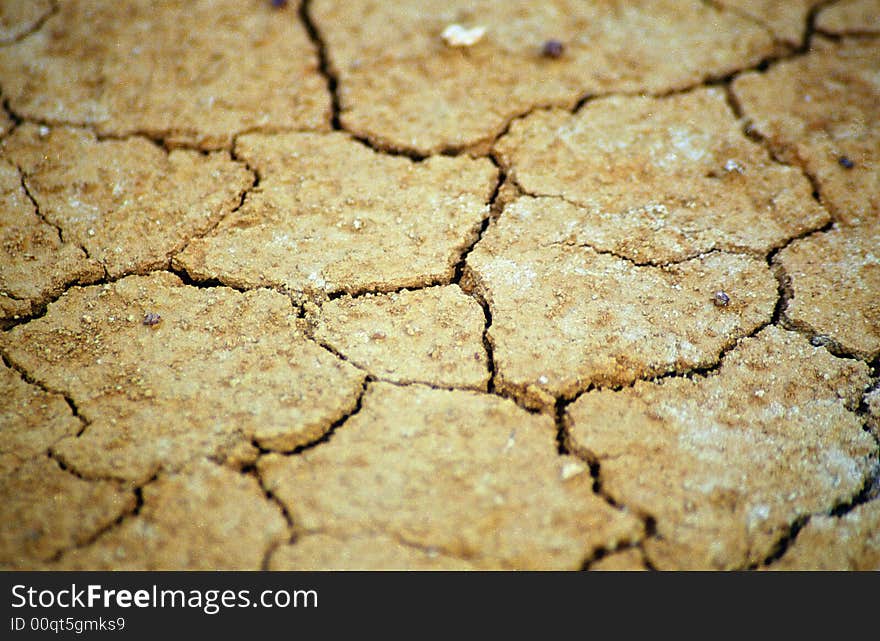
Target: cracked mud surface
[468, 475]
[311, 288]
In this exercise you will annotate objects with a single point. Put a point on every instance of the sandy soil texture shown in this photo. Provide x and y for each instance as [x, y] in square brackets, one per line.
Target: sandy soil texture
[551, 284]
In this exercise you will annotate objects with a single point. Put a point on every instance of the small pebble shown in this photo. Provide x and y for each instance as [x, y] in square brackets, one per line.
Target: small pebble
[733, 166]
[721, 299]
[552, 49]
[845, 162]
[457, 36]
[571, 469]
[820, 341]
[151, 319]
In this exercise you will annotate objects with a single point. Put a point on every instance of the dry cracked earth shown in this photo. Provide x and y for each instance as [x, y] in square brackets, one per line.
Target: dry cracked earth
[311, 287]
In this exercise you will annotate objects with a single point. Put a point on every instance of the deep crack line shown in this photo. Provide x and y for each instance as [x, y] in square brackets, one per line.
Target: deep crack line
[786, 292]
[567, 447]
[325, 67]
[58, 229]
[255, 183]
[290, 537]
[484, 146]
[602, 552]
[459, 273]
[38, 211]
[114, 525]
[30, 380]
[342, 420]
[842, 508]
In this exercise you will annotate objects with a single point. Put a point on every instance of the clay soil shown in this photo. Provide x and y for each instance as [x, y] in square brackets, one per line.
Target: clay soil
[591, 285]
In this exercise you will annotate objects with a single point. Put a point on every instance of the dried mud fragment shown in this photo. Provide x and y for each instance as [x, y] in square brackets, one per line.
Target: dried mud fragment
[204, 518]
[44, 510]
[194, 73]
[18, 17]
[31, 420]
[725, 463]
[318, 552]
[850, 17]
[469, 475]
[432, 336]
[787, 20]
[629, 560]
[331, 215]
[35, 264]
[661, 179]
[565, 317]
[835, 283]
[402, 87]
[822, 112]
[130, 204]
[849, 542]
[222, 368]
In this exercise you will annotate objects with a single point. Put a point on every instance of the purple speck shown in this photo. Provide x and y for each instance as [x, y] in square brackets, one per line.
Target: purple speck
[151, 319]
[552, 49]
[721, 299]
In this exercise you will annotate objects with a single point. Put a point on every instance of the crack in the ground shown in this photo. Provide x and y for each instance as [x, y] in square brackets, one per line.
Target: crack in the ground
[39, 212]
[380, 291]
[459, 273]
[253, 471]
[842, 508]
[158, 140]
[602, 551]
[567, 447]
[562, 447]
[484, 146]
[37, 26]
[372, 377]
[732, 251]
[868, 492]
[327, 435]
[42, 308]
[690, 373]
[816, 337]
[810, 27]
[325, 67]
[480, 148]
[211, 283]
[782, 543]
[117, 523]
[243, 196]
[27, 378]
[784, 290]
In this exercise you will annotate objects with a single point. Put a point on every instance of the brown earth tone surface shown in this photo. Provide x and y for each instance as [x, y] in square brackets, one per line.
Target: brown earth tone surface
[315, 287]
